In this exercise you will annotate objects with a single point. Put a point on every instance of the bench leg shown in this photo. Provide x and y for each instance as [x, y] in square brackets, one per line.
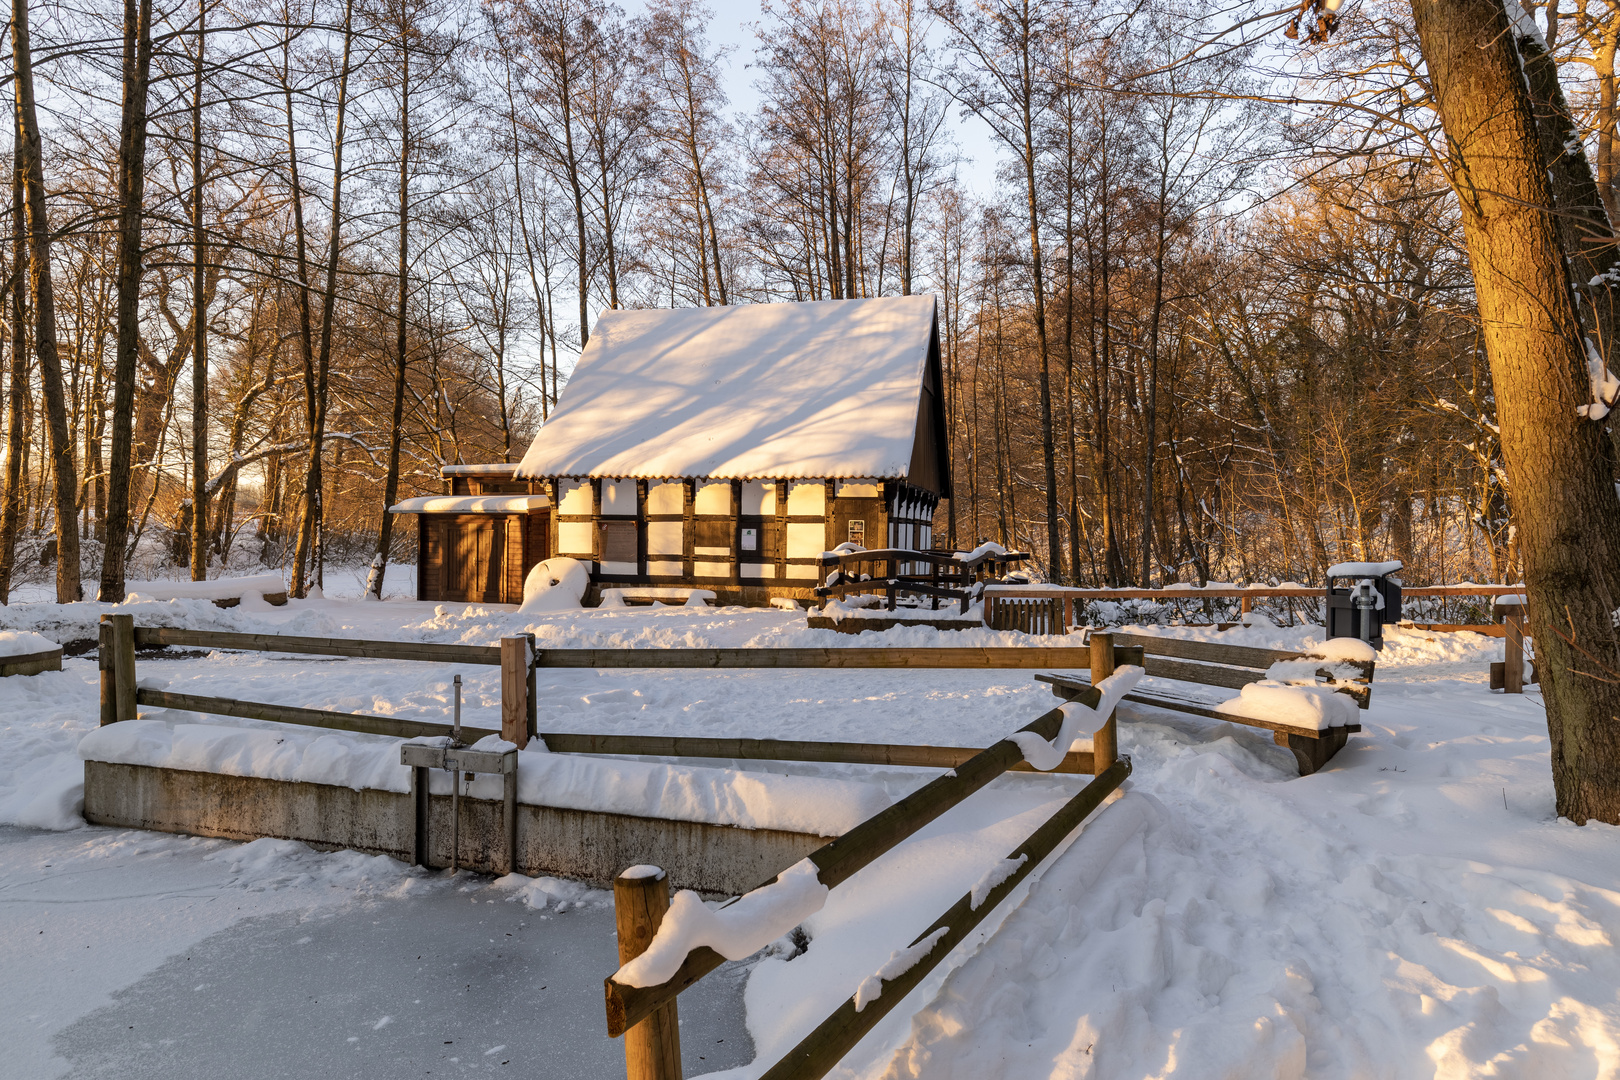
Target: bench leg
[1312, 754]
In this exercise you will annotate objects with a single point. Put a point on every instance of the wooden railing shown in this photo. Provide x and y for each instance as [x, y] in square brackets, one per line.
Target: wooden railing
[891, 572]
[120, 639]
[1052, 609]
[968, 770]
[646, 1014]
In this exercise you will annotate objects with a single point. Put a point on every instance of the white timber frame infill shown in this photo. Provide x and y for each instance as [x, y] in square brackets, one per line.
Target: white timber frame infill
[716, 532]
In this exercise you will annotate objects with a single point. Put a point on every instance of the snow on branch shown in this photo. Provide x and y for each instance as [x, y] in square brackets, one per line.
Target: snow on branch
[1605, 387]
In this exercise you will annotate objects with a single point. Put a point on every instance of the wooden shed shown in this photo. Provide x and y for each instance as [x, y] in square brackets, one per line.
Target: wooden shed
[721, 448]
[477, 542]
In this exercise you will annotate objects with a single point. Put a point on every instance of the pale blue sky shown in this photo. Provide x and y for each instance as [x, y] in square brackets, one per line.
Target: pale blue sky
[734, 24]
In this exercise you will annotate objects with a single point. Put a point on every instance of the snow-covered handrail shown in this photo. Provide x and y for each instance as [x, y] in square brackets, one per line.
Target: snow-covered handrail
[685, 942]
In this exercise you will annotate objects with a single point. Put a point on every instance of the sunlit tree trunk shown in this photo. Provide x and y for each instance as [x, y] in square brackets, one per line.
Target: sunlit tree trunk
[1561, 484]
[43, 302]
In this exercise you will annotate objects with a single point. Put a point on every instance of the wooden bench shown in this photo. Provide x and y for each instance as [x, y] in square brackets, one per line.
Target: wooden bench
[651, 594]
[1231, 667]
[31, 663]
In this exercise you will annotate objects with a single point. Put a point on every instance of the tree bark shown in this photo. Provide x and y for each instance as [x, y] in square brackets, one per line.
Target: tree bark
[311, 521]
[11, 503]
[199, 328]
[385, 532]
[1561, 485]
[1583, 224]
[43, 300]
[131, 196]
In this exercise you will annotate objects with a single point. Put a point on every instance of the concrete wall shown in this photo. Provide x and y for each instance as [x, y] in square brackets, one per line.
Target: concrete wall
[579, 844]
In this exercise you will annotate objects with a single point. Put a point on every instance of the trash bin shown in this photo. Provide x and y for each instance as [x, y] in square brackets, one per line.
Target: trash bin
[1361, 599]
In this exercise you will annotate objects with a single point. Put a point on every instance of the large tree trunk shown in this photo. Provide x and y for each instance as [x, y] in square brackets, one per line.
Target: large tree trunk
[131, 194]
[1561, 483]
[44, 305]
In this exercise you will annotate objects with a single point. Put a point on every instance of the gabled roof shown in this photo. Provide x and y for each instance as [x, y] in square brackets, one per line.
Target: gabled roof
[826, 389]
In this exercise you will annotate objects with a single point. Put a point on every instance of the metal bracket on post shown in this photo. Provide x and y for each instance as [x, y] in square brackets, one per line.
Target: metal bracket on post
[457, 760]
[534, 716]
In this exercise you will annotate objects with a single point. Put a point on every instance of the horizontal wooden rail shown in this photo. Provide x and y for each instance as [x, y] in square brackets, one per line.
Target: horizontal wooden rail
[942, 558]
[988, 657]
[1236, 593]
[821, 1050]
[996, 657]
[287, 714]
[567, 742]
[841, 859]
[1233, 678]
[678, 746]
[372, 650]
[1212, 652]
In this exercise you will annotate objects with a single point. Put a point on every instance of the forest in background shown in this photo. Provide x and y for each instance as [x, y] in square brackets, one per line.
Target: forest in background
[1215, 322]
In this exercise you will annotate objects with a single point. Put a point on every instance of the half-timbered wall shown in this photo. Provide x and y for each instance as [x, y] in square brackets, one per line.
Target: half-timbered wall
[759, 533]
[576, 519]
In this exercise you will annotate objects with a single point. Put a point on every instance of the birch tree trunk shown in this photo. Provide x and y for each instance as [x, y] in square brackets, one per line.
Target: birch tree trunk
[1561, 484]
[65, 474]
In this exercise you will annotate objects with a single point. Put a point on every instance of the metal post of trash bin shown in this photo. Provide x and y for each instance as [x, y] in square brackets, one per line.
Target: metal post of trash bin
[455, 783]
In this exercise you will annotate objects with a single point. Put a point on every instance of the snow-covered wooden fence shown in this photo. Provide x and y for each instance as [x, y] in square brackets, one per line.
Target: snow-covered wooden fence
[652, 1050]
[1052, 609]
[120, 697]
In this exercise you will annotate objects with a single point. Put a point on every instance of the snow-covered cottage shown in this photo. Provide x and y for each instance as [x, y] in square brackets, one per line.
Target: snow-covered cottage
[722, 448]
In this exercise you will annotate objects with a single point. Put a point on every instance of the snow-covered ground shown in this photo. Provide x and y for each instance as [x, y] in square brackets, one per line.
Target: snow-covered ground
[1413, 910]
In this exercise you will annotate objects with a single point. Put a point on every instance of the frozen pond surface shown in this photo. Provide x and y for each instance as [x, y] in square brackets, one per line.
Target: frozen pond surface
[450, 981]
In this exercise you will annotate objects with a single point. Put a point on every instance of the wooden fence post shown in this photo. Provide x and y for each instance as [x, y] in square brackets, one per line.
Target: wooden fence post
[1104, 746]
[1513, 653]
[123, 661]
[515, 690]
[1102, 657]
[109, 681]
[1105, 741]
[652, 1048]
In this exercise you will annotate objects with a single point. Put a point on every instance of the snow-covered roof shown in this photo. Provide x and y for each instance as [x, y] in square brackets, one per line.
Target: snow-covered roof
[823, 389]
[471, 504]
[499, 468]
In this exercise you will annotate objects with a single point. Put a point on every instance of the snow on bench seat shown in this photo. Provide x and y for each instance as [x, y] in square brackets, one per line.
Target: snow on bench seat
[748, 800]
[15, 643]
[648, 594]
[23, 652]
[224, 592]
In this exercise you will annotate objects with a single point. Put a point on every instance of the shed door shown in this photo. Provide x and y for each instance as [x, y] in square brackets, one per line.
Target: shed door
[473, 570]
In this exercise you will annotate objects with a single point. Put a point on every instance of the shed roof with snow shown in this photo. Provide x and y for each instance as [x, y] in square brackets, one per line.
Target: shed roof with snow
[833, 389]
